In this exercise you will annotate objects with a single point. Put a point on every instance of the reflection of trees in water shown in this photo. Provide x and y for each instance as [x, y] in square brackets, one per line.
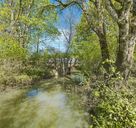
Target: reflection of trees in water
[44, 110]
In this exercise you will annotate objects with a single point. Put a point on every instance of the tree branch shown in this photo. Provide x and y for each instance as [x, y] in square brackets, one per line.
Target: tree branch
[64, 5]
[111, 9]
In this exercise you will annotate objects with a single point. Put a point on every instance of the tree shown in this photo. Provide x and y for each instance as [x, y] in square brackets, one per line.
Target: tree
[94, 15]
[125, 16]
[68, 33]
[124, 13]
[23, 19]
[21, 22]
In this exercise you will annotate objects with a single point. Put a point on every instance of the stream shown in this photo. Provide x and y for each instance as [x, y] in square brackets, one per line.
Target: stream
[39, 108]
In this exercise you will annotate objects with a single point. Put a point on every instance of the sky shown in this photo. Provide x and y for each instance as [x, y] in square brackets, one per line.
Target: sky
[62, 24]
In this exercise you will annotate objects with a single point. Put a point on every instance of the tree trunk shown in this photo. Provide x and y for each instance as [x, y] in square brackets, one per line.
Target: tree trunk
[125, 52]
[127, 33]
[104, 47]
[101, 33]
[125, 58]
[38, 43]
[127, 38]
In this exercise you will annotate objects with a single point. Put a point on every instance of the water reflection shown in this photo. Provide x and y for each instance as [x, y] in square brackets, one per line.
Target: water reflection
[38, 109]
[33, 92]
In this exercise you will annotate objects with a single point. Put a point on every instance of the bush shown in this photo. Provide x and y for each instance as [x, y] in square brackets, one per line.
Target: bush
[36, 67]
[78, 79]
[15, 80]
[11, 75]
[114, 108]
[38, 73]
[23, 80]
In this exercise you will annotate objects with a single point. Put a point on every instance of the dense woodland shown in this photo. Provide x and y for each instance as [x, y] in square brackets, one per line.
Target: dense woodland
[97, 63]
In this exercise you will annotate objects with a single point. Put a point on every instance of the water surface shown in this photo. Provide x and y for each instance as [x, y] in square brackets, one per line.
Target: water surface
[37, 108]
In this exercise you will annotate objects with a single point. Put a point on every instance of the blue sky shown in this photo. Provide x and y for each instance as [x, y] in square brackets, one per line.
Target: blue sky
[62, 24]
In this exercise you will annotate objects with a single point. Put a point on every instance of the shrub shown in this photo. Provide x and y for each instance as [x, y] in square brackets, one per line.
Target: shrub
[11, 75]
[15, 80]
[23, 80]
[114, 108]
[78, 79]
[38, 73]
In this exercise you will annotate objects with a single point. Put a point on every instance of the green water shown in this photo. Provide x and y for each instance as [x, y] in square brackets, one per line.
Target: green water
[49, 108]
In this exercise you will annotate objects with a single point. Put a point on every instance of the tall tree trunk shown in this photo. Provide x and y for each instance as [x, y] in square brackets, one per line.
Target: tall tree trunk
[38, 43]
[125, 52]
[127, 33]
[127, 38]
[104, 47]
[101, 33]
